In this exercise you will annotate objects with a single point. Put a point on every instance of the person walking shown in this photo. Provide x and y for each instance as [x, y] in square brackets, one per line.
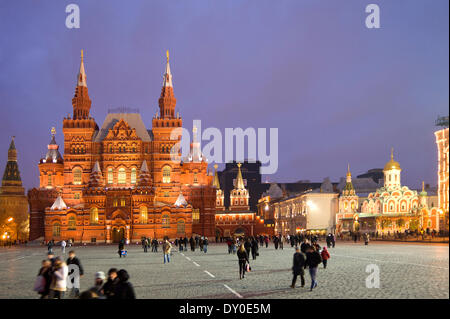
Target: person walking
[243, 260]
[298, 267]
[313, 259]
[254, 248]
[124, 289]
[325, 256]
[110, 285]
[229, 243]
[73, 260]
[180, 244]
[44, 279]
[144, 244]
[59, 279]
[200, 243]
[185, 241]
[121, 247]
[155, 245]
[366, 239]
[266, 240]
[205, 245]
[192, 243]
[167, 247]
[63, 246]
[50, 246]
[275, 242]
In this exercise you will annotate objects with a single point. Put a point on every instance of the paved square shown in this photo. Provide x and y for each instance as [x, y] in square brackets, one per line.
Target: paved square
[406, 271]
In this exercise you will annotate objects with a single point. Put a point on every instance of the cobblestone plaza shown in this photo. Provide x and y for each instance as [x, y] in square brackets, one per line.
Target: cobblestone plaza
[407, 270]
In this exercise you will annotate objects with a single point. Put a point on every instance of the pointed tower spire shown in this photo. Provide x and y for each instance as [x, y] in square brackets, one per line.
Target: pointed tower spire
[53, 155]
[167, 100]
[349, 189]
[144, 175]
[12, 152]
[181, 201]
[59, 204]
[81, 102]
[11, 176]
[82, 73]
[239, 179]
[216, 182]
[96, 177]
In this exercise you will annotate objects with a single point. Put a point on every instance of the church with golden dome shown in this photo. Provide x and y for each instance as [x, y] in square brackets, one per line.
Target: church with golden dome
[391, 208]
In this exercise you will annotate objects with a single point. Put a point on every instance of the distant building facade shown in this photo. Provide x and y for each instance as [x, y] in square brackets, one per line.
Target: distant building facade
[443, 167]
[391, 208]
[13, 202]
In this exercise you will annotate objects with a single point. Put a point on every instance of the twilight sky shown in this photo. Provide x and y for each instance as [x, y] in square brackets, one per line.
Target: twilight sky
[338, 92]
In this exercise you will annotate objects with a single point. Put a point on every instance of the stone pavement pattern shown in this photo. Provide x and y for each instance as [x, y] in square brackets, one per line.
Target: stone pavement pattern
[406, 271]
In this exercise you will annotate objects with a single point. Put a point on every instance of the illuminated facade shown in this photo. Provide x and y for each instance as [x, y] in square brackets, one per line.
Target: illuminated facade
[443, 167]
[13, 202]
[390, 208]
[237, 220]
[121, 181]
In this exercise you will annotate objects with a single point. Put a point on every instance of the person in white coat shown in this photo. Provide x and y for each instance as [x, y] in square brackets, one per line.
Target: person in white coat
[63, 246]
[59, 279]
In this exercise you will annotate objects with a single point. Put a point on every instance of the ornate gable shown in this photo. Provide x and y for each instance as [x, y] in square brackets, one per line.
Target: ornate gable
[122, 131]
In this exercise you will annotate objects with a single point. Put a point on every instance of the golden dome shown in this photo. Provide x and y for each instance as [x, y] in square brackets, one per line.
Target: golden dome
[392, 164]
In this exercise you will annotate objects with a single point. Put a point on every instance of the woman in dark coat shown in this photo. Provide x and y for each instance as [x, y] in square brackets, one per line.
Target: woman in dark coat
[248, 246]
[124, 289]
[254, 248]
[243, 259]
[298, 267]
[46, 272]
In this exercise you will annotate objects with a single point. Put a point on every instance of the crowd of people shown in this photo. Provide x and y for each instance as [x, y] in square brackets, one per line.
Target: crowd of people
[56, 277]
[53, 276]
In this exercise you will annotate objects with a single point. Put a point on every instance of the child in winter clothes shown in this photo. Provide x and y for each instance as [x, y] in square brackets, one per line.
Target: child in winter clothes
[325, 256]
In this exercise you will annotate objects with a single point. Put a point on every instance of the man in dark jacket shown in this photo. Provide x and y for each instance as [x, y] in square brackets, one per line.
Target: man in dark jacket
[254, 248]
[298, 267]
[73, 260]
[192, 243]
[248, 246]
[109, 287]
[124, 289]
[313, 259]
[121, 247]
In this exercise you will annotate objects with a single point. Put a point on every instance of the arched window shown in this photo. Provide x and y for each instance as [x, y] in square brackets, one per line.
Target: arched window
[72, 223]
[77, 176]
[56, 229]
[115, 202]
[144, 215]
[49, 181]
[133, 175]
[165, 221]
[166, 174]
[122, 202]
[94, 215]
[180, 227]
[110, 175]
[195, 178]
[122, 177]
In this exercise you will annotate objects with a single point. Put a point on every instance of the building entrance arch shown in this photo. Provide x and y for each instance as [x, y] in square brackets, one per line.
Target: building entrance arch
[118, 234]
